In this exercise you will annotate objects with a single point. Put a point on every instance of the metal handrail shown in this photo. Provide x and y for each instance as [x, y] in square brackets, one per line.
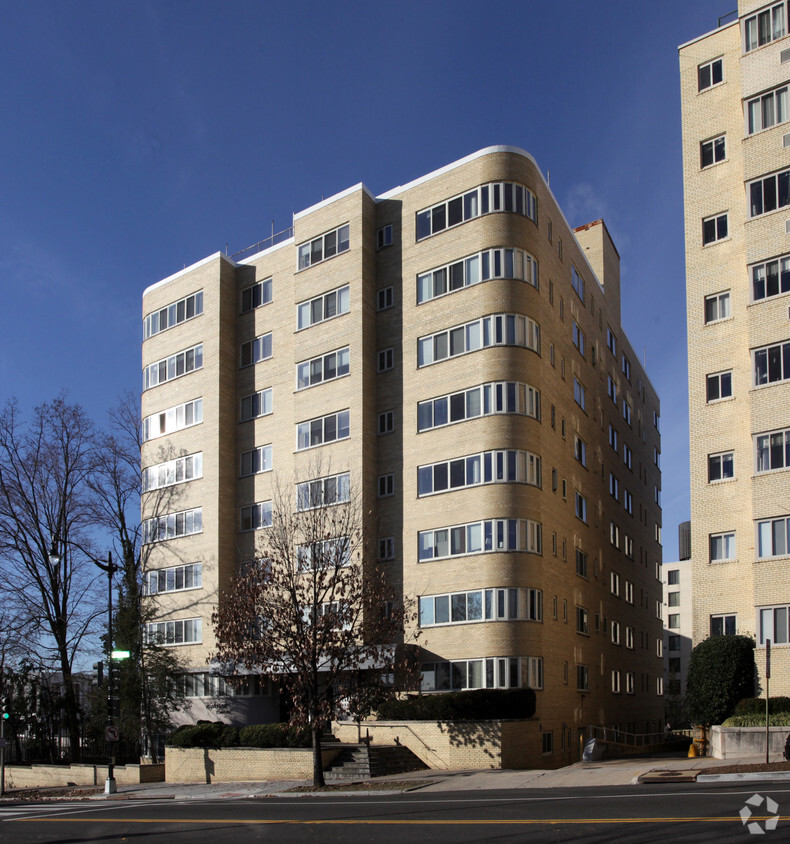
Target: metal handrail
[274, 237]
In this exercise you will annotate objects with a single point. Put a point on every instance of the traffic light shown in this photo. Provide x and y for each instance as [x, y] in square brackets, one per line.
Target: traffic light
[5, 705]
[98, 674]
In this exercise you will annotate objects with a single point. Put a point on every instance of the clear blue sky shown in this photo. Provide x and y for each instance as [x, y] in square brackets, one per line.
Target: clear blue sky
[138, 137]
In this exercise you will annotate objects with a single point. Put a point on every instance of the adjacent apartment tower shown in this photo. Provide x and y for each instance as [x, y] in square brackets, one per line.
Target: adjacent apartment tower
[736, 173]
[454, 349]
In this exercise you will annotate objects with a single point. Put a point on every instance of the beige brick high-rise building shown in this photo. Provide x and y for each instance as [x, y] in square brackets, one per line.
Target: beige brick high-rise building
[454, 348]
[736, 173]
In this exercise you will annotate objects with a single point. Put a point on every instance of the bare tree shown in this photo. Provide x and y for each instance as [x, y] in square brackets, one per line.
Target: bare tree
[315, 611]
[45, 464]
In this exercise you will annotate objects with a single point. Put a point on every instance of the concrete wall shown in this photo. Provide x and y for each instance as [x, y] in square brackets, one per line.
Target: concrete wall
[732, 742]
[35, 776]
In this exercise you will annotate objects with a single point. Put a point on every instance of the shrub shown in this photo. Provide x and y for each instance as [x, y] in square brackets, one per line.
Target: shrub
[205, 734]
[780, 719]
[274, 735]
[756, 705]
[720, 673]
[476, 705]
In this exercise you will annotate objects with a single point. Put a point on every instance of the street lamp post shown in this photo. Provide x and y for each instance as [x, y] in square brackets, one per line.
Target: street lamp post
[110, 785]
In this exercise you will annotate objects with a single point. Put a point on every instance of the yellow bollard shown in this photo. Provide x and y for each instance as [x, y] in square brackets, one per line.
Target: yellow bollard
[692, 751]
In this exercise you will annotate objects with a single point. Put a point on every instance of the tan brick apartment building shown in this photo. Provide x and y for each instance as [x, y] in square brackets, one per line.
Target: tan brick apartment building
[484, 396]
[736, 170]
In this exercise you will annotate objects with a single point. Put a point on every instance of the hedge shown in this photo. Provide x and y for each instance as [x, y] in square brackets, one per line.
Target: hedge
[217, 734]
[477, 705]
[756, 705]
[779, 719]
[274, 735]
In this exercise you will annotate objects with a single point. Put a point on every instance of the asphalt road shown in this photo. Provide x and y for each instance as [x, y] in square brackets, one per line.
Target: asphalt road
[677, 812]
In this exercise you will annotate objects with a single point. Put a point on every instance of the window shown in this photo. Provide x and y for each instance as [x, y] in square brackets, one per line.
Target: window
[577, 282]
[714, 228]
[173, 314]
[627, 456]
[773, 451]
[582, 621]
[485, 199]
[581, 507]
[185, 631]
[769, 193]
[581, 563]
[673, 577]
[771, 278]
[765, 26]
[256, 350]
[580, 450]
[673, 643]
[482, 266]
[578, 394]
[384, 298]
[173, 419]
[611, 389]
[630, 686]
[718, 386]
[324, 307]
[494, 330]
[578, 337]
[767, 110]
[482, 605]
[583, 678]
[173, 525]
[722, 625]
[614, 632]
[323, 368]
[772, 364]
[614, 583]
[324, 429]
[722, 547]
[487, 467]
[256, 405]
[717, 307]
[483, 400]
[629, 638]
[324, 247]
[256, 295]
[172, 472]
[709, 74]
[772, 536]
[773, 625]
[614, 486]
[386, 359]
[627, 368]
[614, 534]
[384, 237]
[547, 742]
[173, 579]
[613, 438]
[256, 460]
[628, 546]
[203, 684]
[323, 492]
[387, 548]
[674, 599]
[386, 485]
[256, 516]
[491, 535]
[628, 501]
[386, 422]
[611, 341]
[490, 673]
[627, 412]
[721, 466]
[712, 151]
[181, 363]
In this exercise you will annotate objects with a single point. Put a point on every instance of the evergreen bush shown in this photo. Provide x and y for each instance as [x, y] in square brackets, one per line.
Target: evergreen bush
[476, 705]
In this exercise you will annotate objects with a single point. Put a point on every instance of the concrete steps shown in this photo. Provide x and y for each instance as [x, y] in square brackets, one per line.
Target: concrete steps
[363, 762]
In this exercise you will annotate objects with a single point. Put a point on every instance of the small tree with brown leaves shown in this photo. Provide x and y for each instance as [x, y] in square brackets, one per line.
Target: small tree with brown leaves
[315, 612]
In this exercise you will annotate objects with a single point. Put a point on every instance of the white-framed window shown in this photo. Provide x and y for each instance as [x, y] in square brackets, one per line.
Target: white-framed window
[173, 579]
[627, 456]
[581, 563]
[580, 449]
[630, 685]
[499, 466]
[256, 516]
[712, 151]
[722, 546]
[579, 395]
[765, 26]
[769, 193]
[254, 351]
[773, 450]
[386, 485]
[709, 74]
[581, 507]
[577, 336]
[322, 430]
[772, 364]
[717, 307]
[183, 631]
[386, 359]
[628, 546]
[577, 282]
[473, 269]
[714, 228]
[204, 684]
[611, 388]
[723, 624]
[256, 295]
[258, 404]
[718, 386]
[614, 486]
[497, 604]
[171, 472]
[324, 247]
[256, 460]
[613, 437]
[484, 537]
[490, 673]
[323, 492]
[583, 678]
[629, 638]
[614, 583]
[721, 466]
[773, 625]
[323, 368]
[327, 553]
[628, 501]
[534, 680]
[493, 330]
[384, 237]
[485, 199]
[386, 422]
[173, 314]
[385, 298]
[627, 412]
[614, 629]
[771, 278]
[673, 599]
[547, 742]
[173, 419]
[659, 685]
[772, 537]
[615, 682]
[329, 305]
[387, 548]
[767, 110]
[175, 366]
[614, 534]
[582, 621]
[482, 400]
[173, 525]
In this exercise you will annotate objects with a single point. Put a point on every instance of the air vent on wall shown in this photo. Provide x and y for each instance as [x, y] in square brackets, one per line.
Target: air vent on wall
[784, 56]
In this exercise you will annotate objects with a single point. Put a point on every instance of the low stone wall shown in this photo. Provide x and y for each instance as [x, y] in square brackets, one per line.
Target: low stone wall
[446, 745]
[38, 776]
[733, 742]
[241, 764]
